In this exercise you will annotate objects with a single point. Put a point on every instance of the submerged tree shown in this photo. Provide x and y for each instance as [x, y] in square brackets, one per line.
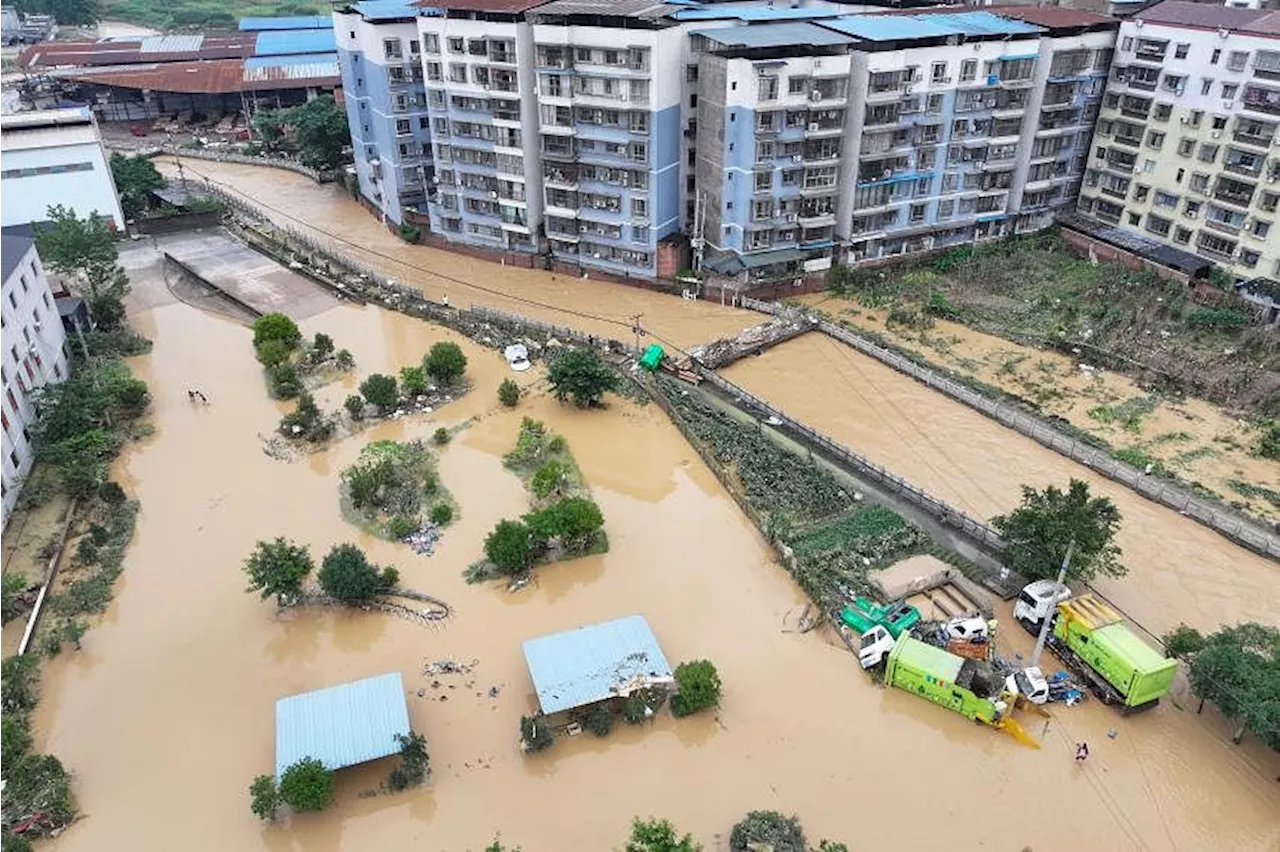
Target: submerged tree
[445, 362]
[1038, 533]
[697, 685]
[1238, 669]
[767, 830]
[307, 785]
[278, 568]
[348, 575]
[654, 835]
[510, 546]
[264, 797]
[581, 374]
[320, 129]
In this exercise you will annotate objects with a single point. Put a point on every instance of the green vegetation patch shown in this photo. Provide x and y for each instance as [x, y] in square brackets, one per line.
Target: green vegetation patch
[394, 489]
[1128, 414]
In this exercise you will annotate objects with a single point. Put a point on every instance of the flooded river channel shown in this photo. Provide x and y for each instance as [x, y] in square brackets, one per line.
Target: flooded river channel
[168, 712]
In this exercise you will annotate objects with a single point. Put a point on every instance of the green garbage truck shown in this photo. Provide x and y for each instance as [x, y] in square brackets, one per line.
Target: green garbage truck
[897, 616]
[969, 687]
[1093, 640]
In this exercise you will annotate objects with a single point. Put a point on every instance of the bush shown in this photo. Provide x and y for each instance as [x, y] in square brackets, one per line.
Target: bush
[379, 390]
[348, 575]
[598, 719]
[698, 686]
[272, 352]
[535, 733]
[1268, 446]
[322, 346]
[414, 762]
[509, 546]
[38, 782]
[344, 360]
[508, 393]
[307, 420]
[583, 375]
[445, 362]
[111, 493]
[573, 520]
[276, 327]
[285, 383]
[12, 584]
[278, 568]
[307, 785]
[547, 479]
[413, 380]
[15, 738]
[659, 836]
[767, 830]
[19, 683]
[441, 513]
[441, 436]
[1217, 319]
[354, 405]
[409, 233]
[264, 797]
[400, 527]
[635, 709]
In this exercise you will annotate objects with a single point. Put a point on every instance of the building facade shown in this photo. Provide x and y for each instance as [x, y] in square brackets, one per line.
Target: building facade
[1186, 145]
[55, 157]
[34, 355]
[774, 140]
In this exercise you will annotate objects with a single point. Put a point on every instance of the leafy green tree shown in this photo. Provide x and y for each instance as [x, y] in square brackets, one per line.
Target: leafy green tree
[15, 738]
[1238, 669]
[276, 327]
[106, 285]
[278, 568]
[655, 835]
[12, 585]
[1038, 533]
[307, 785]
[348, 575]
[509, 547]
[73, 13]
[322, 346]
[354, 405]
[414, 762]
[536, 733]
[379, 390]
[697, 685]
[767, 830]
[581, 374]
[548, 478]
[413, 380]
[445, 362]
[573, 520]
[343, 360]
[69, 244]
[136, 178]
[441, 513]
[264, 797]
[284, 381]
[320, 130]
[508, 393]
[1182, 641]
[441, 436]
[39, 782]
[268, 124]
[272, 352]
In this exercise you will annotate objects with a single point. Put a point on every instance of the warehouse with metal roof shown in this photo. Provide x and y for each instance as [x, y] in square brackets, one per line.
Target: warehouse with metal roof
[342, 725]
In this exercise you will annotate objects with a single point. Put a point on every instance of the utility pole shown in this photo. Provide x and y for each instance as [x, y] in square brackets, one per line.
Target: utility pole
[637, 330]
[1048, 618]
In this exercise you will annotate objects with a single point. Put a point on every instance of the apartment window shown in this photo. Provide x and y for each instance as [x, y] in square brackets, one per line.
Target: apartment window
[403, 127]
[1178, 177]
[1149, 165]
[1126, 43]
[1140, 192]
[691, 73]
[639, 208]
[938, 73]
[457, 72]
[1194, 119]
[391, 48]
[1219, 122]
[432, 42]
[762, 210]
[946, 208]
[1181, 235]
[917, 213]
[757, 239]
[764, 150]
[1217, 54]
[1206, 85]
[1237, 60]
[968, 70]
[639, 233]
[764, 180]
[1162, 112]
[1181, 50]
[1208, 153]
[422, 123]
[441, 127]
[1155, 140]
[767, 88]
[1229, 91]
[1166, 199]
[1158, 225]
[950, 182]
[797, 85]
[1134, 219]
[791, 177]
[435, 97]
[1191, 209]
[434, 72]
[1260, 228]
[455, 44]
[1268, 201]
[1199, 182]
[1186, 147]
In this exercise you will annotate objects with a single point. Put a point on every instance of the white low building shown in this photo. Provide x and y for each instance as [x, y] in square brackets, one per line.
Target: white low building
[55, 157]
[34, 353]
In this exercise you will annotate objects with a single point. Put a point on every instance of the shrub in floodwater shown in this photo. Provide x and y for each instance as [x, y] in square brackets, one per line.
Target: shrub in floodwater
[111, 493]
[445, 362]
[547, 479]
[598, 719]
[307, 785]
[322, 346]
[634, 709]
[508, 393]
[413, 380]
[441, 436]
[15, 737]
[379, 390]
[264, 797]
[698, 686]
[659, 836]
[19, 683]
[348, 575]
[284, 381]
[306, 421]
[278, 568]
[400, 527]
[574, 521]
[535, 733]
[39, 783]
[583, 375]
[441, 513]
[510, 547]
[272, 352]
[354, 405]
[344, 360]
[276, 327]
[414, 762]
[767, 830]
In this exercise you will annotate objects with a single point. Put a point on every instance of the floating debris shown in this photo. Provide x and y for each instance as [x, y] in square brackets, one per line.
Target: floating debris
[423, 541]
[448, 667]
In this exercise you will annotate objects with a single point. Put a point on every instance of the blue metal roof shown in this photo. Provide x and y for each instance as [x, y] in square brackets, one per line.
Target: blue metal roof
[342, 725]
[305, 22]
[721, 11]
[788, 34]
[386, 10]
[292, 59]
[872, 27]
[589, 664]
[283, 42]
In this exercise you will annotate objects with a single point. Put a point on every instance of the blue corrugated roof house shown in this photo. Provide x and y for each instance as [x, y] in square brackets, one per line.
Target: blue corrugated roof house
[305, 22]
[593, 663]
[342, 725]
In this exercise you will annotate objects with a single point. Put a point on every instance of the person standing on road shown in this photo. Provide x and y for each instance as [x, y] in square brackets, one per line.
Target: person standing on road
[1082, 752]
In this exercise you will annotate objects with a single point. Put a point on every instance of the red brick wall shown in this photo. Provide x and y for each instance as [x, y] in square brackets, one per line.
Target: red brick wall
[1081, 243]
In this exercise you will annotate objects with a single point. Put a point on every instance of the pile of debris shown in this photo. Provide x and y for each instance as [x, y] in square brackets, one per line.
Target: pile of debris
[726, 350]
[423, 541]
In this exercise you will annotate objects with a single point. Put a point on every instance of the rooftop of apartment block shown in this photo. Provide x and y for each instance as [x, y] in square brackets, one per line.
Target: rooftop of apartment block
[1057, 18]
[786, 34]
[1181, 13]
[892, 28]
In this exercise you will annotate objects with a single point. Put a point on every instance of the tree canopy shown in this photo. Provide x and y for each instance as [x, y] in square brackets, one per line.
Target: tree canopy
[768, 829]
[307, 785]
[276, 327]
[697, 685]
[76, 13]
[278, 568]
[654, 835]
[573, 520]
[379, 390]
[509, 546]
[136, 177]
[1238, 669]
[348, 575]
[320, 129]
[445, 362]
[581, 374]
[69, 244]
[1038, 533]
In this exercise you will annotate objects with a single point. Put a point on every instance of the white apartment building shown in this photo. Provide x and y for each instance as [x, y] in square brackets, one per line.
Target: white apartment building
[1186, 150]
[55, 157]
[34, 354]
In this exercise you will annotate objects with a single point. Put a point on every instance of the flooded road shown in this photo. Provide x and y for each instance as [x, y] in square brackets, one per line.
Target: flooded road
[168, 712]
[327, 213]
[1179, 571]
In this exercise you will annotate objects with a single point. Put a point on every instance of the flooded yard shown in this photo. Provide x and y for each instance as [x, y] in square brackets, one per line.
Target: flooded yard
[168, 712]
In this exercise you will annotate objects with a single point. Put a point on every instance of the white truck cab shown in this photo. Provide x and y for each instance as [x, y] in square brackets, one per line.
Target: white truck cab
[876, 645]
[1037, 601]
[970, 629]
[1029, 683]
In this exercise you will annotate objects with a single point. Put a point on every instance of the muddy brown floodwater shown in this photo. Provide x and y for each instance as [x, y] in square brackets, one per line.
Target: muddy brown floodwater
[168, 712]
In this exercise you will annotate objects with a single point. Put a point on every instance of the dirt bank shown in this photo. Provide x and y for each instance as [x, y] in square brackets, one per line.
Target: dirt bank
[168, 712]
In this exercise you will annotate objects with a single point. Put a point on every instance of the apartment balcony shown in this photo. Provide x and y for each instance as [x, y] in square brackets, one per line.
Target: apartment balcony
[1256, 140]
[1107, 215]
[1144, 85]
[1151, 54]
[1210, 250]
[880, 119]
[1132, 112]
[1237, 199]
[815, 130]
[1115, 193]
[1059, 104]
[1264, 101]
[886, 92]
[1017, 83]
[817, 220]
[1241, 168]
[1130, 141]
[1223, 227]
